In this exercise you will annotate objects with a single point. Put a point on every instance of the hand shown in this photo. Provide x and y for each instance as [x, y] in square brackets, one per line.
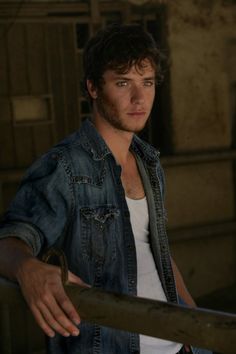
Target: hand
[187, 348]
[43, 290]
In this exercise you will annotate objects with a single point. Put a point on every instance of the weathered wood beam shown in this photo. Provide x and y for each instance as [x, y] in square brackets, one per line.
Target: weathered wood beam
[198, 327]
[11, 175]
[202, 231]
[197, 158]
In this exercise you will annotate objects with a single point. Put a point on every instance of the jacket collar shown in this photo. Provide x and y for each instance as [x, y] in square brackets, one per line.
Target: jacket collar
[147, 152]
[92, 141]
[94, 144]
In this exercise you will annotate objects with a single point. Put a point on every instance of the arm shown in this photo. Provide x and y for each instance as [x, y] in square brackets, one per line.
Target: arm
[41, 286]
[183, 293]
[181, 288]
[37, 217]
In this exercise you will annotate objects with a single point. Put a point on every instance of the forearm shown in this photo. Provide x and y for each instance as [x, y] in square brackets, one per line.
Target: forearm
[181, 287]
[41, 287]
[13, 254]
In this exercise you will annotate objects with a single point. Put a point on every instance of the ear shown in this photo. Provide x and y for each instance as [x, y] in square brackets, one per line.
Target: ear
[92, 89]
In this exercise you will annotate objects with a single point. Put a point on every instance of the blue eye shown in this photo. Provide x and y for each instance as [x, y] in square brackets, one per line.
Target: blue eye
[148, 83]
[121, 83]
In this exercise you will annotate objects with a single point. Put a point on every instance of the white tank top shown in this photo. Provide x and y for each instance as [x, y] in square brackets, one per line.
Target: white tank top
[148, 285]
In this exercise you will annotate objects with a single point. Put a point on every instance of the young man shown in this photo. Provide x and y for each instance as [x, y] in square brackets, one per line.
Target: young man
[98, 196]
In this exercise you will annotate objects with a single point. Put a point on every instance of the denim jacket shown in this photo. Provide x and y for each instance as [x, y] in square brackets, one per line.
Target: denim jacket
[72, 198]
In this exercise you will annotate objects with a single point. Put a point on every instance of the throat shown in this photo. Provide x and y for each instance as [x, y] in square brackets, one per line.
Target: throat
[131, 180]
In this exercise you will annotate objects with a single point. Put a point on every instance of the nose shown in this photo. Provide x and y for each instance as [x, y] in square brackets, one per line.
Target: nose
[137, 95]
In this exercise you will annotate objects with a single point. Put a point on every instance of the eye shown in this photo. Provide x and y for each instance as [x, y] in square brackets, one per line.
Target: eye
[149, 83]
[121, 83]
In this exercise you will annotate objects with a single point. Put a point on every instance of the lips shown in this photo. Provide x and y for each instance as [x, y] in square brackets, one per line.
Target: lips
[139, 113]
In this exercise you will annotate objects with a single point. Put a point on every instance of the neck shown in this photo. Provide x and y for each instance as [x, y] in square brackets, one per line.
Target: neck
[117, 140]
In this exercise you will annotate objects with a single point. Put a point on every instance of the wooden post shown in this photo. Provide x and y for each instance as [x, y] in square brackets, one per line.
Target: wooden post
[198, 327]
[5, 330]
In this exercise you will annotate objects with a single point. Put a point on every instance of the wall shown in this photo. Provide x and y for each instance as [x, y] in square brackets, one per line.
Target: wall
[201, 177]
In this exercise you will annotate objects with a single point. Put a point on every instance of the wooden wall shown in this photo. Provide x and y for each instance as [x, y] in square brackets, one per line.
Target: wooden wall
[40, 74]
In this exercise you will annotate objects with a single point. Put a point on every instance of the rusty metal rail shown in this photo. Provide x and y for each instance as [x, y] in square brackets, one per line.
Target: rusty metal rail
[198, 327]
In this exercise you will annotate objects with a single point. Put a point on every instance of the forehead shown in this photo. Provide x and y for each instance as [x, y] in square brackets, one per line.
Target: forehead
[143, 68]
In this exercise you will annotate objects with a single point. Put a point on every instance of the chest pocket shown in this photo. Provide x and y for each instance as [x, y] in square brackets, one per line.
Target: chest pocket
[98, 239]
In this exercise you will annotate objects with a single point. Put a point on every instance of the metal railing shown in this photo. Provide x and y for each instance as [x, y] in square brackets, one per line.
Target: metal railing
[199, 327]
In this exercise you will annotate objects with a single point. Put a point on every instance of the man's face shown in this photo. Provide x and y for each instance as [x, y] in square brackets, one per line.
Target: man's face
[124, 101]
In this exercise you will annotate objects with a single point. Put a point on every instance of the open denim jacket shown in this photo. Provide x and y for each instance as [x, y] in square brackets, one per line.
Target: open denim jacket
[72, 198]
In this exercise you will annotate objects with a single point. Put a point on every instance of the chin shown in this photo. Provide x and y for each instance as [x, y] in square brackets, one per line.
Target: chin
[139, 127]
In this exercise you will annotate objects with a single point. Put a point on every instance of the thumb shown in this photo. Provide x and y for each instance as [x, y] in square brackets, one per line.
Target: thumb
[73, 279]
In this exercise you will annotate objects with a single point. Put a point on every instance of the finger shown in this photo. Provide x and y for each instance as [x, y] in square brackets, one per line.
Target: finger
[42, 323]
[55, 314]
[57, 321]
[66, 305]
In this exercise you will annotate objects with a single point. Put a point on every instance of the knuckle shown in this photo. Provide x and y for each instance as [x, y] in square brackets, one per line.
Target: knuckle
[45, 298]
[71, 313]
[60, 318]
[64, 301]
[36, 303]
[46, 329]
[54, 325]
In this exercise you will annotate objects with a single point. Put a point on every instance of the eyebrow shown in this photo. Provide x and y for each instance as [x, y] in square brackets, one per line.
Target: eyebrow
[129, 79]
[150, 78]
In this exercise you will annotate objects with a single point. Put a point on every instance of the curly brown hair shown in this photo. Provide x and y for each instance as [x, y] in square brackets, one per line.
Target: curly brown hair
[118, 47]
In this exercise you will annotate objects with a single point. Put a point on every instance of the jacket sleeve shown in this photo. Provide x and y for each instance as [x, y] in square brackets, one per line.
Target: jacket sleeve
[41, 209]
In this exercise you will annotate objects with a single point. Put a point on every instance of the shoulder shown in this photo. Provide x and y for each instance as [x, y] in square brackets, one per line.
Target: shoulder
[56, 159]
